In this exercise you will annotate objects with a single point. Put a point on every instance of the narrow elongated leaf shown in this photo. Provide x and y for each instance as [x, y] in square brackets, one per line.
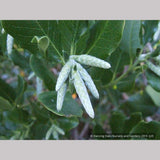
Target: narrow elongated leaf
[154, 68]
[155, 96]
[153, 80]
[41, 70]
[130, 41]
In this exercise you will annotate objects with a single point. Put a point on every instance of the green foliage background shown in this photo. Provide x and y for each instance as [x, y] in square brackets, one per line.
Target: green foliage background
[129, 102]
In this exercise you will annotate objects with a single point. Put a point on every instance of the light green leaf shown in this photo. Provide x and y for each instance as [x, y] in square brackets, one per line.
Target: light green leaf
[68, 123]
[41, 69]
[153, 80]
[73, 35]
[130, 41]
[23, 32]
[118, 60]
[104, 38]
[43, 43]
[70, 106]
[5, 105]
[154, 95]
[150, 27]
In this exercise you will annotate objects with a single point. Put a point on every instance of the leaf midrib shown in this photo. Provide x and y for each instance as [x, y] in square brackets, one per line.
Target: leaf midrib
[97, 38]
[52, 44]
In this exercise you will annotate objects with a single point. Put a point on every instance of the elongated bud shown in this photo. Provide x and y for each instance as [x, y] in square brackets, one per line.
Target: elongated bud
[9, 44]
[155, 69]
[82, 93]
[63, 75]
[59, 130]
[39, 85]
[88, 80]
[60, 96]
[49, 132]
[91, 61]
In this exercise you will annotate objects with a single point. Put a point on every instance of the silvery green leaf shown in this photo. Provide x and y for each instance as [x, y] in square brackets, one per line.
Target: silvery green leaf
[55, 135]
[31, 75]
[39, 85]
[9, 44]
[155, 69]
[88, 80]
[60, 96]
[91, 61]
[82, 93]
[49, 132]
[57, 129]
[63, 75]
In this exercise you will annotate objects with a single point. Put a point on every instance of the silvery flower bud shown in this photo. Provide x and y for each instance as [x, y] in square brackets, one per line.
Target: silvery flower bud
[60, 96]
[155, 69]
[59, 130]
[63, 75]
[9, 44]
[88, 80]
[91, 61]
[82, 93]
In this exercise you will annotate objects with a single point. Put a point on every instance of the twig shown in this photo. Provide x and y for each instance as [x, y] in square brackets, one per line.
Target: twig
[75, 134]
[84, 130]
